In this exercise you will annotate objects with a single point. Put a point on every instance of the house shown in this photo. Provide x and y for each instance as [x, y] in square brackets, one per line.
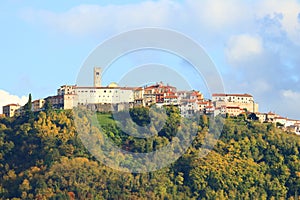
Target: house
[37, 105]
[203, 104]
[262, 117]
[57, 101]
[271, 116]
[210, 109]
[234, 110]
[66, 89]
[236, 98]
[291, 122]
[156, 93]
[171, 100]
[190, 95]
[280, 120]
[10, 109]
[188, 107]
[138, 95]
[244, 101]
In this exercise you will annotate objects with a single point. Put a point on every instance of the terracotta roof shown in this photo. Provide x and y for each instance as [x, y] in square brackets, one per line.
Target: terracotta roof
[233, 107]
[226, 95]
[111, 88]
[57, 97]
[36, 101]
[280, 118]
[258, 113]
[94, 88]
[12, 104]
[203, 103]
[139, 88]
[171, 97]
[159, 86]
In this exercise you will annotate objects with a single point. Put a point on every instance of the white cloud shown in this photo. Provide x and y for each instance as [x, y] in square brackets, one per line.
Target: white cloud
[288, 103]
[262, 36]
[289, 10]
[87, 19]
[242, 48]
[291, 95]
[7, 98]
[219, 14]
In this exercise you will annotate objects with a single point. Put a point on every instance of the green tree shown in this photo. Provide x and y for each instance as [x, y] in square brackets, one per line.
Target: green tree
[28, 105]
[47, 106]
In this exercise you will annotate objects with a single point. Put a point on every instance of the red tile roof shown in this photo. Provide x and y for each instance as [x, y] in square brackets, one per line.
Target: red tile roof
[12, 104]
[226, 95]
[171, 97]
[233, 107]
[280, 118]
[203, 103]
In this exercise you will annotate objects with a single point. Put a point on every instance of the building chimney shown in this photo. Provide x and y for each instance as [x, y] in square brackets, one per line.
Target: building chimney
[97, 77]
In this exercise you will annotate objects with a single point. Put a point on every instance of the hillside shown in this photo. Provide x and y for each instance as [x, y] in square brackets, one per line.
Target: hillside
[42, 157]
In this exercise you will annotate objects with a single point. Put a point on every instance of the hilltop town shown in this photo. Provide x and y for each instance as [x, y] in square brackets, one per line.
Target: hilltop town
[115, 97]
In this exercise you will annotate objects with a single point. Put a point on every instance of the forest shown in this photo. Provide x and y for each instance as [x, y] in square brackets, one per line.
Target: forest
[42, 156]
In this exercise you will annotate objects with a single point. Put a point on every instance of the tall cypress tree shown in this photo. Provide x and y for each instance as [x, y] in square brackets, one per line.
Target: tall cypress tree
[28, 108]
[28, 105]
[29, 102]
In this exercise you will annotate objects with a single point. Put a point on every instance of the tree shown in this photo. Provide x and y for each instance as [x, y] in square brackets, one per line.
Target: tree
[252, 116]
[203, 121]
[28, 105]
[28, 108]
[47, 106]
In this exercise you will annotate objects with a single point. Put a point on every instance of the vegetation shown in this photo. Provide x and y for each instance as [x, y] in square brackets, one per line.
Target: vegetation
[42, 157]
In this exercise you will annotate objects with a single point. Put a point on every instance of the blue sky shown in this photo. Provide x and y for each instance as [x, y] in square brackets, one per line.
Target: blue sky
[255, 45]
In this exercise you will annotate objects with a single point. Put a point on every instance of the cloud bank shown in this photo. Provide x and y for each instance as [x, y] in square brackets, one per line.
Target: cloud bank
[7, 98]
